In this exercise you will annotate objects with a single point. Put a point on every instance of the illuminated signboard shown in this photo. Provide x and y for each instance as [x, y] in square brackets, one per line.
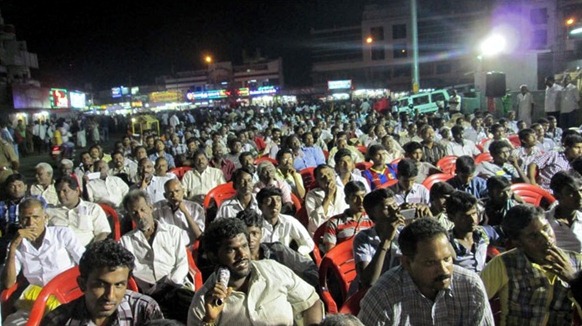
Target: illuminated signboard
[78, 99]
[58, 98]
[117, 92]
[209, 95]
[166, 96]
[30, 97]
[339, 84]
[243, 91]
[264, 90]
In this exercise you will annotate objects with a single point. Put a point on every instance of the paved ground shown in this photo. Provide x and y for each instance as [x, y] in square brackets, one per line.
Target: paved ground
[28, 163]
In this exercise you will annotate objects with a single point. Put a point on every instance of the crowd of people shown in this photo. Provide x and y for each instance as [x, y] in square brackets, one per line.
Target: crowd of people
[299, 182]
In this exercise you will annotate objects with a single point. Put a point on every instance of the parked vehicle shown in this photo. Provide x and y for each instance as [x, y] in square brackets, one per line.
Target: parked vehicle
[428, 102]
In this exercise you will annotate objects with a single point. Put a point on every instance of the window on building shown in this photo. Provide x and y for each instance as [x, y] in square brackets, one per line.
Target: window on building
[443, 68]
[539, 16]
[377, 33]
[398, 31]
[402, 71]
[400, 50]
[378, 52]
[539, 40]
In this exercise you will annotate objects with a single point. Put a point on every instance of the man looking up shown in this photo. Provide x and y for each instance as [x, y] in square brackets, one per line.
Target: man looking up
[258, 292]
[105, 269]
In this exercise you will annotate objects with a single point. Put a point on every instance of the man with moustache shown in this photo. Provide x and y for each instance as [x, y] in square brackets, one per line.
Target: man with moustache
[427, 289]
[260, 292]
[105, 269]
[537, 282]
[161, 265]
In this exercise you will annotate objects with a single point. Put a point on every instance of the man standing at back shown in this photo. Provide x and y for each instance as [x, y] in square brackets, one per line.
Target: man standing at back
[552, 100]
[105, 268]
[427, 289]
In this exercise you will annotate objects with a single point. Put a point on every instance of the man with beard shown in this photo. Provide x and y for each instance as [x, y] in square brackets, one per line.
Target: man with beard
[427, 289]
[244, 197]
[267, 178]
[201, 179]
[123, 168]
[161, 265]
[432, 150]
[536, 282]
[220, 162]
[185, 214]
[504, 164]
[247, 160]
[257, 292]
[551, 162]
[105, 268]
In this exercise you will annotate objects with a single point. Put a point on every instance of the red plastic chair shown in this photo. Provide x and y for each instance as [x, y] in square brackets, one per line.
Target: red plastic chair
[219, 194]
[481, 144]
[326, 155]
[363, 149]
[318, 239]
[395, 162]
[112, 213]
[297, 202]
[434, 178]
[483, 157]
[193, 270]
[65, 289]
[352, 304]
[302, 216]
[308, 178]
[339, 262]
[363, 166]
[514, 140]
[532, 194]
[447, 164]
[266, 158]
[180, 171]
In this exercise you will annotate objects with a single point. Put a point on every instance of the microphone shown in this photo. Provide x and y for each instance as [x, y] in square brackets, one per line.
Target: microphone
[223, 276]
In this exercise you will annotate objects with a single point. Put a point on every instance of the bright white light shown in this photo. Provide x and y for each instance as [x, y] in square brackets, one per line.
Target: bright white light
[493, 45]
[576, 31]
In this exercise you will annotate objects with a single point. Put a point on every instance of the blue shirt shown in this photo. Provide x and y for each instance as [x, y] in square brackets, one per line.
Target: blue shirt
[153, 157]
[308, 157]
[476, 187]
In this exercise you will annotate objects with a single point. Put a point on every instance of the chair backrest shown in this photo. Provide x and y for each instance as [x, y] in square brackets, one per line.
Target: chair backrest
[65, 289]
[362, 149]
[481, 144]
[116, 221]
[326, 155]
[532, 194]
[388, 183]
[180, 171]
[219, 194]
[363, 166]
[514, 140]
[297, 202]
[266, 158]
[483, 157]
[447, 164]
[434, 178]
[318, 239]
[308, 177]
[338, 264]
[193, 270]
[352, 304]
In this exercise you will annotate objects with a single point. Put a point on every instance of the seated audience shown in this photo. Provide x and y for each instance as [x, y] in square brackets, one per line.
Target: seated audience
[439, 192]
[107, 189]
[286, 172]
[201, 179]
[543, 168]
[565, 218]
[45, 184]
[465, 179]
[504, 164]
[324, 201]
[243, 198]
[268, 178]
[380, 172]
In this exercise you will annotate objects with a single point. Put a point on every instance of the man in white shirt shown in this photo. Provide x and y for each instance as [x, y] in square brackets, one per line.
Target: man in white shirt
[551, 102]
[525, 105]
[45, 185]
[40, 252]
[570, 104]
[201, 179]
[161, 264]
[280, 227]
[175, 210]
[107, 189]
[267, 178]
[86, 219]
[326, 200]
[459, 146]
[148, 182]
[123, 168]
[476, 133]
[244, 197]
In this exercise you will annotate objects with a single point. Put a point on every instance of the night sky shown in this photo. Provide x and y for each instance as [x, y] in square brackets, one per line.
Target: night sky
[107, 43]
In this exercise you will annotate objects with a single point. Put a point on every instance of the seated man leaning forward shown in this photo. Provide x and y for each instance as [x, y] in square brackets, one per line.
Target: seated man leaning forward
[40, 252]
[258, 292]
[105, 268]
[537, 282]
[427, 289]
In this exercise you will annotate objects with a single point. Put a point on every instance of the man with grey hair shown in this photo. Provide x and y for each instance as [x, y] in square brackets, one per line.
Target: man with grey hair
[267, 178]
[107, 189]
[45, 184]
[161, 264]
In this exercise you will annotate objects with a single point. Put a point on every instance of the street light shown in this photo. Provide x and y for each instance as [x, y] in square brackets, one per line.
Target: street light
[369, 40]
[208, 59]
